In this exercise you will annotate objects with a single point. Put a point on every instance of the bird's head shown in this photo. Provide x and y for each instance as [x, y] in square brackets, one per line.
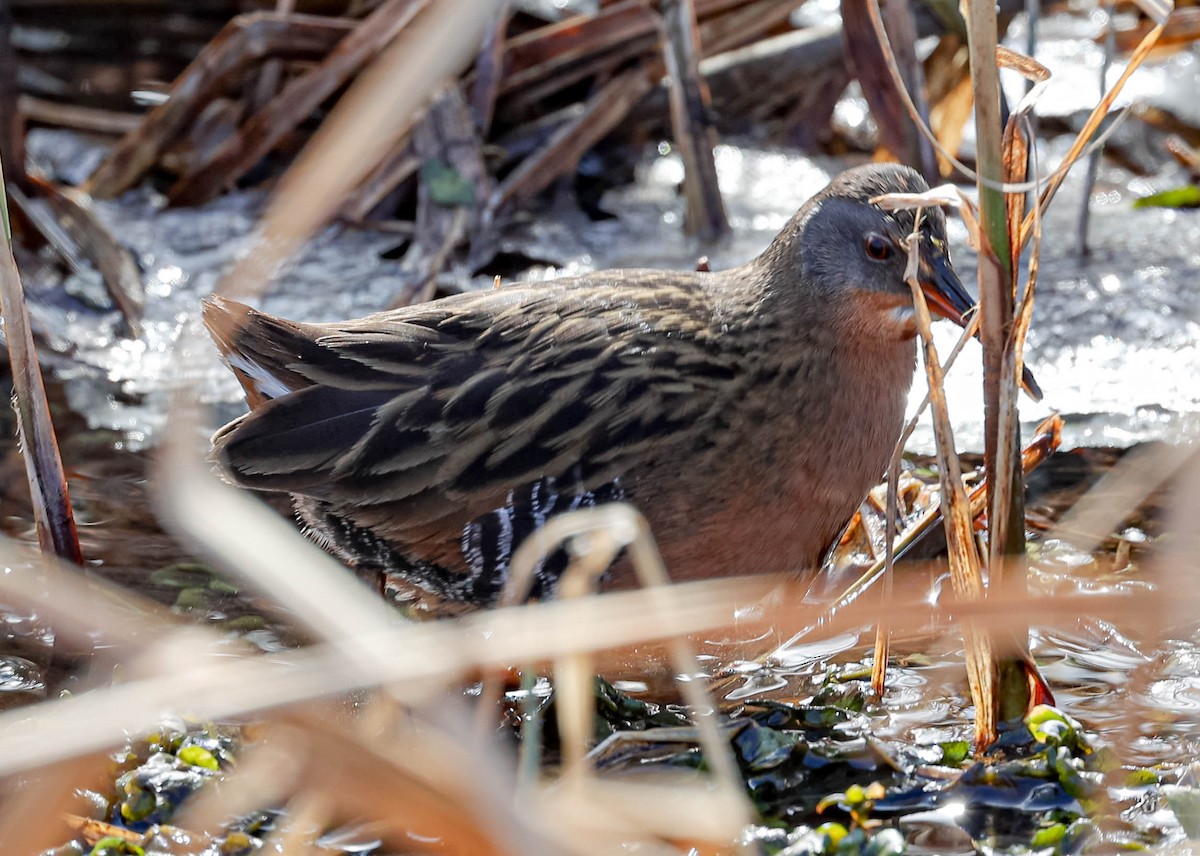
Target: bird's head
[853, 254]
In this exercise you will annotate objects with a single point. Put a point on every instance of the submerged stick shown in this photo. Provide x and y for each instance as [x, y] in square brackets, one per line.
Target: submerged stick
[689, 99]
[52, 514]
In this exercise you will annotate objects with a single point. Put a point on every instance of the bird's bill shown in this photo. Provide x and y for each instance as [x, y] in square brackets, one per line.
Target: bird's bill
[945, 295]
[943, 289]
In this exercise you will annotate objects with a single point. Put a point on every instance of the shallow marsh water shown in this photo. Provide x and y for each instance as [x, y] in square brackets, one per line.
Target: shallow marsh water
[1115, 344]
[1114, 339]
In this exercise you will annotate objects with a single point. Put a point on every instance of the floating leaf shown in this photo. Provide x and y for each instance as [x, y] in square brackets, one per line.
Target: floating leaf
[1179, 197]
[761, 748]
[114, 846]
[182, 575]
[198, 756]
[954, 752]
[446, 186]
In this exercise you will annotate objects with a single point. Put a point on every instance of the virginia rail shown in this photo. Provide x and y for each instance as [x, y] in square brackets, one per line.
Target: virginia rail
[745, 412]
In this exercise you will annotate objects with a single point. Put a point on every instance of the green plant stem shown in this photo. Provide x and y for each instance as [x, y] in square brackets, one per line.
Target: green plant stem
[997, 294]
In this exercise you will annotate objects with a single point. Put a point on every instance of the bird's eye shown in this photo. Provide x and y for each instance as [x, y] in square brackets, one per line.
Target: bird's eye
[878, 247]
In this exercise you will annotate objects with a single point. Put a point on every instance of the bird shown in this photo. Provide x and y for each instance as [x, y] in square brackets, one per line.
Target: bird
[744, 412]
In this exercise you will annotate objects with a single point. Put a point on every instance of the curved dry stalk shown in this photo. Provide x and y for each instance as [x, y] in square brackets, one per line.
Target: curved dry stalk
[625, 528]
[879, 666]
[573, 673]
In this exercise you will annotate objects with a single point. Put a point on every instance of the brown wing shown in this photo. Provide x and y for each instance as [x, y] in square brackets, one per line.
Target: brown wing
[440, 409]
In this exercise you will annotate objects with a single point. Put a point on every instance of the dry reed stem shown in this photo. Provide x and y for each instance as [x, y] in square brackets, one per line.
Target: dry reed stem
[250, 540]
[691, 128]
[997, 288]
[1026, 66]
[69, 221]
[76, 116]
[1017, 150]
[1077, 150]
[960, 539]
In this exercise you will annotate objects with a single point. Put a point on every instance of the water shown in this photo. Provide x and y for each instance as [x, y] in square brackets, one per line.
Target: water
[1114, 344]
[1113, 337]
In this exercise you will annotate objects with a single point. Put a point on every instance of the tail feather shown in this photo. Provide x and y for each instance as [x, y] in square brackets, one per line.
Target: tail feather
[262, 351]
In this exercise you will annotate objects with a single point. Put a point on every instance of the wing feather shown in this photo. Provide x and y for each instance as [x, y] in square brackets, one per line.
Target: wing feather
[438, 408]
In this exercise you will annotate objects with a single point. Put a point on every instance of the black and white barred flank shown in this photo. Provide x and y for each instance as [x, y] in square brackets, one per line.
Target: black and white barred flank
[488, 542]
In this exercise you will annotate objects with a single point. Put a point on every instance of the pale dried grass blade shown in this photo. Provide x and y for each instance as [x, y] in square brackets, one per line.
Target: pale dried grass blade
[221, 687]
[418, 781]
[1055, 179]
[674, 807]
[1026, 66]
[303, 817]
[215, 686]
[77, 605]
[573, 674]
[1180, 559]
[943, 195]
[1132, 479]
[243, 535]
